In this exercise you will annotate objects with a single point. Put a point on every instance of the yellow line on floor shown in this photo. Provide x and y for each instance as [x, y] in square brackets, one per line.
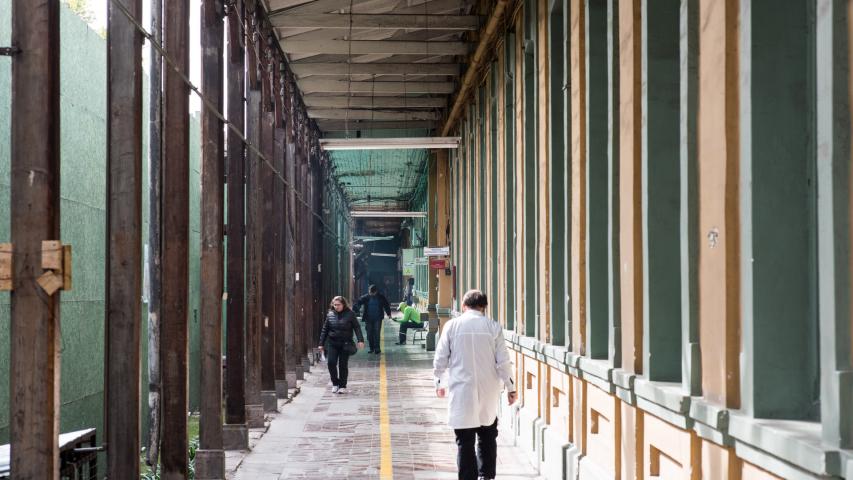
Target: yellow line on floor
[386, 468]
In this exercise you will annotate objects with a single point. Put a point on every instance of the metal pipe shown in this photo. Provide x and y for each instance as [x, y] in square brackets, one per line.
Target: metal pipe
[484, 47]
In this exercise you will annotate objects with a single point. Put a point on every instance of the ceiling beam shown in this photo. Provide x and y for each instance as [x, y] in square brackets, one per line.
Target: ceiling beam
[314, 101]
[370, 47]
[378, 22]
[343, 86]
[342, 114]
[353, 126]
[308, 69]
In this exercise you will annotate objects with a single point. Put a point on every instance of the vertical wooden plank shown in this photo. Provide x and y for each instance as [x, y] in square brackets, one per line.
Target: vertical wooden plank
[210, 458]
[281, 244]
[521, 300]
[235, 396]
[175, 208]
[268, 249]
[719, 256]
[579, 119]
[614, 308]
[630, 247]
[34, 212]
[543, 74]
[124, 242]
[500, 171]
[254, 321]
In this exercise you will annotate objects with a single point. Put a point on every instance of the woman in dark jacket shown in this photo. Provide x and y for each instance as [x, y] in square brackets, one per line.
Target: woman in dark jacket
[338, 328]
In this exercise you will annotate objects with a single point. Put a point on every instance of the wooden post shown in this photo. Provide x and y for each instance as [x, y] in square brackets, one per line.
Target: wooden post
[175, 242]
[154, 261]
[210, 458]
[235, 431]
[35, 332]
[254, 405]
[281, 298]
[268, 312]
[124, 241]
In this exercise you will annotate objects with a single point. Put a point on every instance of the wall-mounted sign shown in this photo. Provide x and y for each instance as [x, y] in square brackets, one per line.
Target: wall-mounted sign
[436, 251]
[437, 263]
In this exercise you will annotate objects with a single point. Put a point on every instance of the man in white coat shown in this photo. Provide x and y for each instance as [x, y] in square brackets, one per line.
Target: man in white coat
[472, 365]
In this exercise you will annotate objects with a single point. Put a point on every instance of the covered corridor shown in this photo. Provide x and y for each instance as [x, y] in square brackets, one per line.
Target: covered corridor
[655, 195]
[324, 435]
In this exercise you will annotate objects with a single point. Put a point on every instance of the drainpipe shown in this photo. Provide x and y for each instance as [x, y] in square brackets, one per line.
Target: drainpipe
[468, 82]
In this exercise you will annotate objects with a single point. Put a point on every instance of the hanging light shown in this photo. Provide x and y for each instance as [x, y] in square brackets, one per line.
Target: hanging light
[389, 143]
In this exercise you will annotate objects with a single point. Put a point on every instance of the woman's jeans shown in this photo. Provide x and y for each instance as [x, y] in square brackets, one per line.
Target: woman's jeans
[338, 360]
[481, 463]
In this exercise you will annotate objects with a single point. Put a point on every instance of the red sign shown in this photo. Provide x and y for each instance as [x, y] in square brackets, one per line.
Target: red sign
[437, 263]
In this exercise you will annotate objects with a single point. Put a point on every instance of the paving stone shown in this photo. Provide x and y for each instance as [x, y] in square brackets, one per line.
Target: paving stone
[318, 434]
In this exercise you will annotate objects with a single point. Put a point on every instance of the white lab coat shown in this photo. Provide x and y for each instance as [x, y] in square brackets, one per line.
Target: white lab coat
[472, 362]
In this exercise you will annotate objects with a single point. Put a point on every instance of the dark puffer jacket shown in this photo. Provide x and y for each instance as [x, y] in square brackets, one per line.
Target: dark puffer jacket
[338, 327]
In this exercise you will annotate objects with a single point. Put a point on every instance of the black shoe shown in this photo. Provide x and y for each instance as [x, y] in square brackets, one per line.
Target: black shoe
[377, 352]
[400, 343]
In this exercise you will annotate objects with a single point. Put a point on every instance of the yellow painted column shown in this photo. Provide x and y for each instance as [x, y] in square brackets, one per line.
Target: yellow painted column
[630, 208]
[544, 172]
[719, 231]
[578, 159]
[520, 299]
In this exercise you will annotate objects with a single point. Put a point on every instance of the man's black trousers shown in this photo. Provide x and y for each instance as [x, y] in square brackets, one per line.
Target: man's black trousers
[338, 361]
[373, 327]
[481, 463]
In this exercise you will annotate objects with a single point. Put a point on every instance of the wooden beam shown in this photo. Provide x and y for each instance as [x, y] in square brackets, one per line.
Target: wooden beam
[342, 86]
[124, 242]
[34, 215]
[432, 69]
[377, 22]
[175, 227]
[268, 293]
[210, 458]
[235, 396]
[281, 299]
[374, 102]
[254, 405]
[374, 47]
[343, 114]
[340, 125]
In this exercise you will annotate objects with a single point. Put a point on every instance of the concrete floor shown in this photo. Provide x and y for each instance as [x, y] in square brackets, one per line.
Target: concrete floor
[323, 435]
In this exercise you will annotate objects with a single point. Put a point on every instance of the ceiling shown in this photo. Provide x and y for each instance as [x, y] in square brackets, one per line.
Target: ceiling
[376, 68]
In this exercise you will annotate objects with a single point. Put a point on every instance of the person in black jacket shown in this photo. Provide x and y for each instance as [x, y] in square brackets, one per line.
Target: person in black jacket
[375, 304]
[338, 328]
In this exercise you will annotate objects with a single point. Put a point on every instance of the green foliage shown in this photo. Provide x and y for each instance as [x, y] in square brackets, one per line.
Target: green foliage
[82, 9]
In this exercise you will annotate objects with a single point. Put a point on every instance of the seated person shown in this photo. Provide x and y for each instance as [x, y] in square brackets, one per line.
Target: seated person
[411, 319]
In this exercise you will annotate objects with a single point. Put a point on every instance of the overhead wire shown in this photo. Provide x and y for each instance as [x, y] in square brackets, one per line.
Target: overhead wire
[173, 65]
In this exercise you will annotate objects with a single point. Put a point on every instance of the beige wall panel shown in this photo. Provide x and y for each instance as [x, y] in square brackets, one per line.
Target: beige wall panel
[531, 386]
[578, 181]
[718, 463]
[579, 420]
[718, 283]
[630, 213]
[751, 472]
[544, 171]
[630, 442]
[668, 451]
[489, 257]
[559, 402]
[519, 175]
[602, 427]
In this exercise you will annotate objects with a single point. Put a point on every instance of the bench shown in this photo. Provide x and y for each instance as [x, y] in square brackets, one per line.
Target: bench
[78, 456]
[423, 330]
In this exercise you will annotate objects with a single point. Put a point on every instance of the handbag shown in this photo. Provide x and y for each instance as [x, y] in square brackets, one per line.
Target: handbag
[350, 348]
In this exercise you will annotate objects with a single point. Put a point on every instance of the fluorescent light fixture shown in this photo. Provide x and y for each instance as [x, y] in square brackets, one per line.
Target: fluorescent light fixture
[388, 143]
[386, 214]
[384, 255]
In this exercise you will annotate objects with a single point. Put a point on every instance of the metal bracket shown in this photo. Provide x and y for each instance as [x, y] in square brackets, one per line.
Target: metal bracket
[9, 51]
